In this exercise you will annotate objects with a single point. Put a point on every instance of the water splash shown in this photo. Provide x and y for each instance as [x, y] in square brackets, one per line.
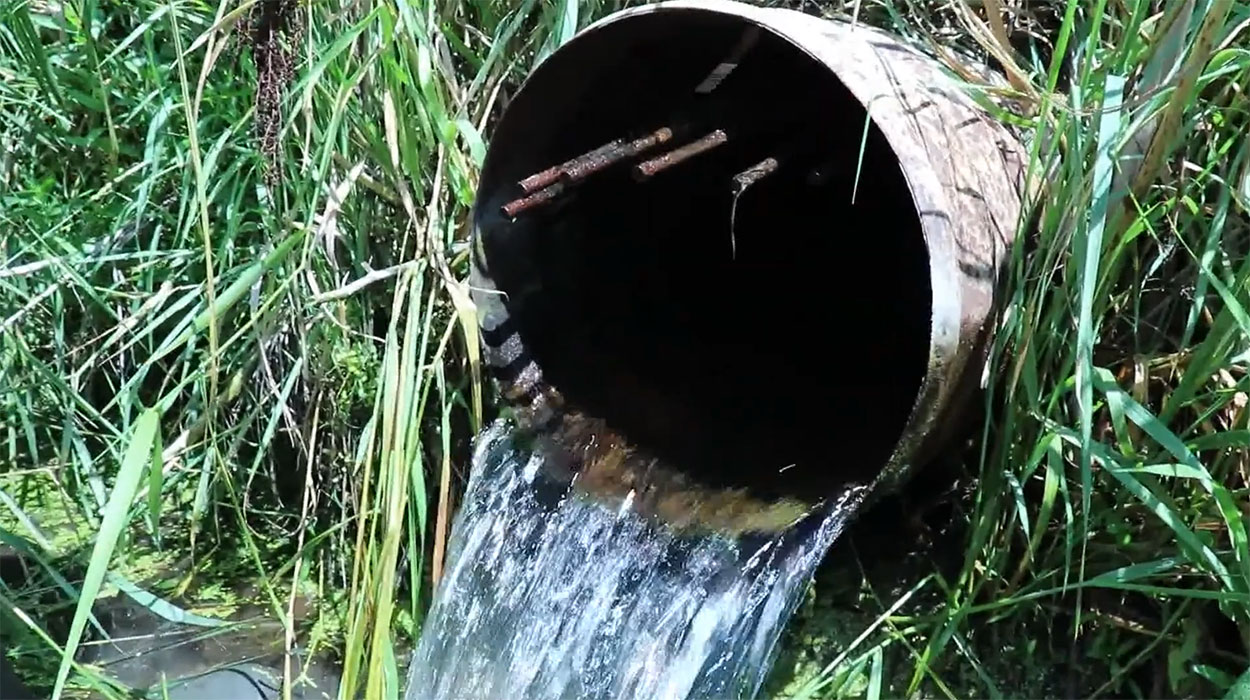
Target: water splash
[549, 595]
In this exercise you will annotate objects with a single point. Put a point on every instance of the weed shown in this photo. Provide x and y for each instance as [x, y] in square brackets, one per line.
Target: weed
[230, 329]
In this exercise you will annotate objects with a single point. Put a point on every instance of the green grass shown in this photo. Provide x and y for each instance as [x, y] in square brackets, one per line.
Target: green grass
[234, 336]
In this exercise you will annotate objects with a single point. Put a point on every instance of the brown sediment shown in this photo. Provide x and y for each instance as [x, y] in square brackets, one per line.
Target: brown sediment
[611, 469]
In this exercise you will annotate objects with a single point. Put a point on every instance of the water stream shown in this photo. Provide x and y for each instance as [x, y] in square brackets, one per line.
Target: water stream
[548, 594]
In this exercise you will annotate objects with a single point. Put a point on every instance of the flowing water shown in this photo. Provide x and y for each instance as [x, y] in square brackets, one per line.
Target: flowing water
[548, 594]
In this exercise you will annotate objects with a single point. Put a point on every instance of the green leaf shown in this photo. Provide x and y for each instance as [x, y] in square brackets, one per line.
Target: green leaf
[876, 675]
[156, 478]
[1088, 244]
[161, 607]
[1160, 433]
[116, 518]
[472, 139]
[1241, 688]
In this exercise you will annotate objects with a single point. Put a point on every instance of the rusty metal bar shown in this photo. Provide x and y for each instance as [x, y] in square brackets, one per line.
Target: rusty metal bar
[593, 163]
[754, 174]
[542, 179]
[518, 206]
[656, 165]
[544, 186]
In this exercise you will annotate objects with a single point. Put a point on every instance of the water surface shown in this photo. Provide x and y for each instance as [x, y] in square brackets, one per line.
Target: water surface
[549, 594]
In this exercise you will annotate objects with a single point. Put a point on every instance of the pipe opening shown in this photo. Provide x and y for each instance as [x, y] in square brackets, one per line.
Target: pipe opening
[774, 340]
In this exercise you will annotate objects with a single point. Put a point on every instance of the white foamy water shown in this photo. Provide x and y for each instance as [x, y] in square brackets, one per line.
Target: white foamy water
[548, 595]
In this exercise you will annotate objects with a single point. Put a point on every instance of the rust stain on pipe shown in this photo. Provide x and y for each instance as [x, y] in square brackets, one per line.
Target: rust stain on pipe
[754, 174]
[542, 179]
[518, 206]
[680, 155]
[593, 163]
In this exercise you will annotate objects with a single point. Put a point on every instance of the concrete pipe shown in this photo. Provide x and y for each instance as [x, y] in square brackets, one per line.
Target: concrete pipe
[733, 262]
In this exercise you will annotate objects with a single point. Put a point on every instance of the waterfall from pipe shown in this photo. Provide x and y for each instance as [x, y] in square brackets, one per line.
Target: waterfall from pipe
[548, 594]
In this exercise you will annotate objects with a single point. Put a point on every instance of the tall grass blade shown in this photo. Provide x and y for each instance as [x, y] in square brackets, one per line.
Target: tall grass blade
[1089, 247]
[115, 519]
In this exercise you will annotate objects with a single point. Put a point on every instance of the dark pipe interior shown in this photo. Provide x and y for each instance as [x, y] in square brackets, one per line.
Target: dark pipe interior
[789, 368]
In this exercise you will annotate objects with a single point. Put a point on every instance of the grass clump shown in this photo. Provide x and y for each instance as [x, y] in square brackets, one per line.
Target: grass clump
[1103, 551]
[236, 226]
[233, 328]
